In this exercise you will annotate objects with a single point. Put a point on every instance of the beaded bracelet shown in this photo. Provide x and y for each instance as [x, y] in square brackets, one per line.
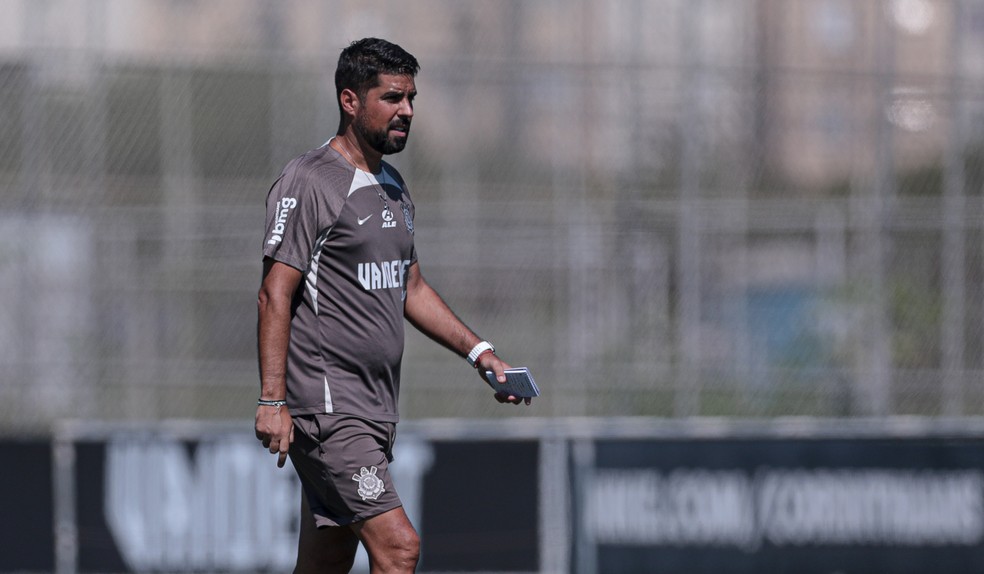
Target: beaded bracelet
[265, 403]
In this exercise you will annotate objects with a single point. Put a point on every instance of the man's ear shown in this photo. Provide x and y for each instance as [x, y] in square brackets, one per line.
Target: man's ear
[349, 101]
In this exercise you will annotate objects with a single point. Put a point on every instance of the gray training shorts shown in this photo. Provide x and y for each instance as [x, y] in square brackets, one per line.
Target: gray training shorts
[343, 463]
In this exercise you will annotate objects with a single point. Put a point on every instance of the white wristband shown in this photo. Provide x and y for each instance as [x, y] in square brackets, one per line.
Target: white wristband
[477, 350]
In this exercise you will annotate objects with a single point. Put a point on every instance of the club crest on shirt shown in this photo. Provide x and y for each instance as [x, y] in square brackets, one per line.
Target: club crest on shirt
[370, 485]
[407, 218]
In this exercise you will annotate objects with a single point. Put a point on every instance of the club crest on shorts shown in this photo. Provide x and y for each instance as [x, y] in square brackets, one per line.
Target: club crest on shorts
[370, 485]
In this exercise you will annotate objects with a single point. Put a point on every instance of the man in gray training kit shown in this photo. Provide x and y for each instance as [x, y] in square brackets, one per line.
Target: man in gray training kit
[340, 274]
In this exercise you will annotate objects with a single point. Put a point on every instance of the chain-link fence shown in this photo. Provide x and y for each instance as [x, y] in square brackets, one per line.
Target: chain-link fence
[666, 208]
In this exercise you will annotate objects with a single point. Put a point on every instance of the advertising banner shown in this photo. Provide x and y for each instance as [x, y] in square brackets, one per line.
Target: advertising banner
[804, 506]
[156, 501]
[578, 496]
[26, 531]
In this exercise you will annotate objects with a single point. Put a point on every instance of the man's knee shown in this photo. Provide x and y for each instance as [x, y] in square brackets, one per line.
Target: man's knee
[408, 547]
[398, 552]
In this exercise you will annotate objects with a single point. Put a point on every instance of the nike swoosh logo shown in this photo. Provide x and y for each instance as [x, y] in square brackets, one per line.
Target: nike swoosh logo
[364, 219]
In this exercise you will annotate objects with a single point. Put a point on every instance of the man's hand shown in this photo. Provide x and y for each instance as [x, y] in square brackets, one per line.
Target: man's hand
[490, 362]
[275, 429]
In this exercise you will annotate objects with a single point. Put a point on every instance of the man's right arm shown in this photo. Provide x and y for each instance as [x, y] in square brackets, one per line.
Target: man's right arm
[273, 424]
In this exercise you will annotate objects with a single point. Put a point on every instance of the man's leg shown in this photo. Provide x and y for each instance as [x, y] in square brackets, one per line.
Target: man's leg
[391, 542]
[326, 550]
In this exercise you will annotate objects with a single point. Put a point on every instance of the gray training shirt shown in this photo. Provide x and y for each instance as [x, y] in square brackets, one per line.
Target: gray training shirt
[330, 221]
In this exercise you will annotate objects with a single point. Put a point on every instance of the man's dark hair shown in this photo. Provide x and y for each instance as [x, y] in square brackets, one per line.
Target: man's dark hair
[362, 61]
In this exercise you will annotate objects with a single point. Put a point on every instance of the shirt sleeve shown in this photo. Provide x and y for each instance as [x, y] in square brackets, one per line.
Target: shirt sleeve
[292, 223]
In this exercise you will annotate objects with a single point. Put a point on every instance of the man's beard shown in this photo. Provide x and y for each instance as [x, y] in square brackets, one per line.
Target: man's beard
[379, 140]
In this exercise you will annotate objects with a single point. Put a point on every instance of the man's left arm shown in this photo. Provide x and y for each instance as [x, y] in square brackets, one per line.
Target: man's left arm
[428, 312]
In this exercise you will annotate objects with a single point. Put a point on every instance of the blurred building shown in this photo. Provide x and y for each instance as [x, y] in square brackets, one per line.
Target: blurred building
[829, 73]
[842, 79]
